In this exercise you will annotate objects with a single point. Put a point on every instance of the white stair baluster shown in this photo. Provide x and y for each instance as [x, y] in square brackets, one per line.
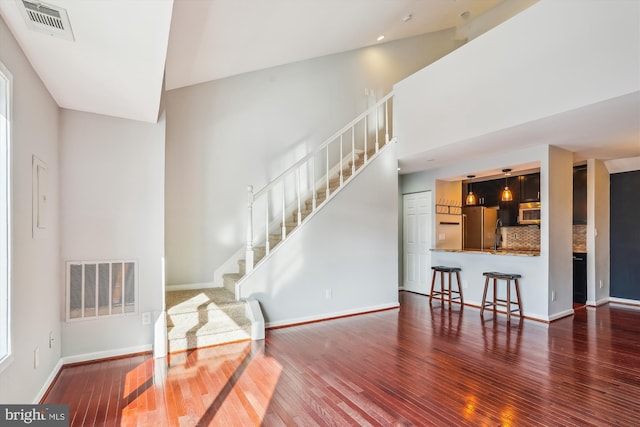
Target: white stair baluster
[249, 251]
[284, 214]
[299, 198]
[353, 150]
[366, 131]
[313, 183]
[266, 223]
[326, 195]
[386, 121]
[340, 163]
[377, 130]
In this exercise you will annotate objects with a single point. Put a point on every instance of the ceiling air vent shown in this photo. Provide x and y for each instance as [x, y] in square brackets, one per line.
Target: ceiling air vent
[47, 19]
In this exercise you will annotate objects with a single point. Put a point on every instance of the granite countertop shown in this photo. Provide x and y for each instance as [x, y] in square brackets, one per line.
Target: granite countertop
[512, 252]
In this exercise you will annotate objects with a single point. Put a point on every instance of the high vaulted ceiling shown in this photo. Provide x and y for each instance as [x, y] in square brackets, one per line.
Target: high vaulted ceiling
[125, 51]
[116, 64]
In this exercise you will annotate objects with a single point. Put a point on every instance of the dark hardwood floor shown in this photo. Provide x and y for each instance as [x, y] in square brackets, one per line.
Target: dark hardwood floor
[413, 366]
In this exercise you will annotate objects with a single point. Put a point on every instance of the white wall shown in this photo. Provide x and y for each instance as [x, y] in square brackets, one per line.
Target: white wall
[227, 134]
[349, 247]
[556, 229]
[36, 293]
[598, 236]
[112, 176]
[553, 57]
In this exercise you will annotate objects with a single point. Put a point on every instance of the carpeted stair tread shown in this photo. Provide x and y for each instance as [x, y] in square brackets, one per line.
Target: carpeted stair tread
[208, 328]
[178, 302]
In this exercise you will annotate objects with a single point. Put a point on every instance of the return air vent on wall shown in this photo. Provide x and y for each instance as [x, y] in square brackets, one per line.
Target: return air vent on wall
[47, 19]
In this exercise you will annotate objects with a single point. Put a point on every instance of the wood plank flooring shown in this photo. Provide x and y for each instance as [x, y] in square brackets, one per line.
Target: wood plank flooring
[413, 366]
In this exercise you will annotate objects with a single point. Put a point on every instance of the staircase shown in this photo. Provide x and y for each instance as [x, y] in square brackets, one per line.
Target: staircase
[232, 279]
[206, 317]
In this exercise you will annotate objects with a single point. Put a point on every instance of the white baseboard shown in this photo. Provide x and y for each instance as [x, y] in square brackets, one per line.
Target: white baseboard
[605, 301]
[191, 286]
[561, 314]
[624, 301]
[106, 354]
[52, 376]
[327, 316]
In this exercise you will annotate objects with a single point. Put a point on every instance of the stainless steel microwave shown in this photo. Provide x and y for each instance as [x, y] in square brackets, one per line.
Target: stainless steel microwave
[529, 213]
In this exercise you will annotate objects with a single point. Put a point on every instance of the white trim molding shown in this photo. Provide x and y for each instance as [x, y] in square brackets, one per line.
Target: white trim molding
[329, 316]
[52, 376]
[95, 356]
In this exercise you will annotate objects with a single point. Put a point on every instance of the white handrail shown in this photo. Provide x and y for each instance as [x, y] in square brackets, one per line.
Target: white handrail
[323, 145]
[295, 202]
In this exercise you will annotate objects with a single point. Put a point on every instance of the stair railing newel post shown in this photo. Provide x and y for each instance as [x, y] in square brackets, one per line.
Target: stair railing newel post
[249, 251]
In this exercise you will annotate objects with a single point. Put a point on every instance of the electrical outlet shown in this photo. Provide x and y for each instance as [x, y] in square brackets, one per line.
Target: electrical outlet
[600, 284]
[51, 339]
[441, 236]
[146, 318]
[327, 293]
[36, 358]
[553, 295]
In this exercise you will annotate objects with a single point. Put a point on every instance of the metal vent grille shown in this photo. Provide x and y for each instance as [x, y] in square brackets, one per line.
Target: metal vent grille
[47, 19]
[101, 288]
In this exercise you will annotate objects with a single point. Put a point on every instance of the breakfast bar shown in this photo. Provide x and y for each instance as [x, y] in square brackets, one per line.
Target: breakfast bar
[528, 264]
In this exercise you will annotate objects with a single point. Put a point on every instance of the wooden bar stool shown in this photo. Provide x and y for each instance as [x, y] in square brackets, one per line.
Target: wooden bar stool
[508, 277]
[444, 289]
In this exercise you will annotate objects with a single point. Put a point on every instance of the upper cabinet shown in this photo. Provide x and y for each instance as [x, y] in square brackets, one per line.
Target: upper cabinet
[509, 210]
[580, 195]
[487, 193]
[530, 188]
[524, 188]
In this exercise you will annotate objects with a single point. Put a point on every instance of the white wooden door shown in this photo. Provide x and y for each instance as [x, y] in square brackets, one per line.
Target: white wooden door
[417, 242]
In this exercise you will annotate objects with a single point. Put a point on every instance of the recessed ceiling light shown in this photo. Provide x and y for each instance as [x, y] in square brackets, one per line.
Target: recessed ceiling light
[380, 38]
[465, 14]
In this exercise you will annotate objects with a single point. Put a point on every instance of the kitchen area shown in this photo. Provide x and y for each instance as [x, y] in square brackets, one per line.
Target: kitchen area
[497, 215]
[499, 220]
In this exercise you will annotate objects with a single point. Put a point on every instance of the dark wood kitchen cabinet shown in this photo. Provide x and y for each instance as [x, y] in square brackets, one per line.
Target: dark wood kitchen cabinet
[580, 195]
[488, 192]
[509, 210]
[530, 188]
[579, 278]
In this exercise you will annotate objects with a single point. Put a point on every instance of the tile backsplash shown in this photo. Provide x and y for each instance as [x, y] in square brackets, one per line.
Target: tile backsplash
[580, 238]
[527, 238]
[522, 238]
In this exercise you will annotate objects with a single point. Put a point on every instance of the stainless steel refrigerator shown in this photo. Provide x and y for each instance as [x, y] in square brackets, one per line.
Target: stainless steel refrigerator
[479, 227]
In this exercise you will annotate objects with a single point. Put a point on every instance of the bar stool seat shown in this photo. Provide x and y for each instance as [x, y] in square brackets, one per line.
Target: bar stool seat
[444, 289]
[508, 277]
